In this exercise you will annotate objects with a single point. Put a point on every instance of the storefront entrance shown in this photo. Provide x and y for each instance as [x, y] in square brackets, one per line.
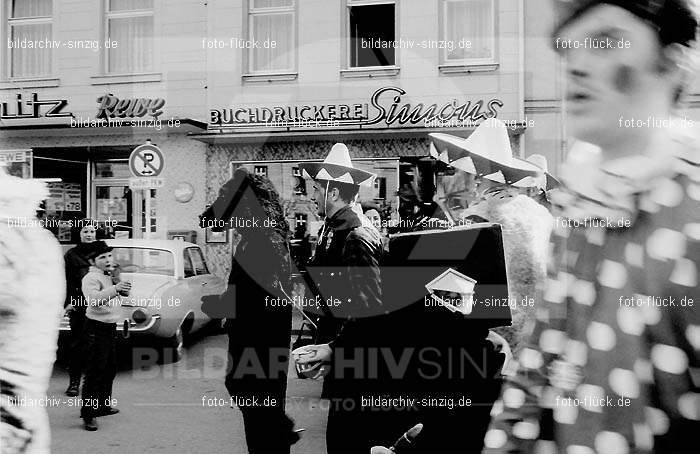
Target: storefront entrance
[116, 205]
[93, 183]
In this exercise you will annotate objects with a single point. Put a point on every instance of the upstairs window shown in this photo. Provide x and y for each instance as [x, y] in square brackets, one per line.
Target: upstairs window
[29, 38]
[469, 28]
[129, 23]
[271, 24]
[260, 170]
[372, 33]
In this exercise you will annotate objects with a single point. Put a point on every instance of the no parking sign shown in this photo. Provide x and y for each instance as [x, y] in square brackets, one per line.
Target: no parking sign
[146, 161]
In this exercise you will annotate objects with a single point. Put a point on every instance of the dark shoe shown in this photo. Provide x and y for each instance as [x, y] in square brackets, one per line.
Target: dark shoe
[73, 389]
[90, 424]
[109, 411]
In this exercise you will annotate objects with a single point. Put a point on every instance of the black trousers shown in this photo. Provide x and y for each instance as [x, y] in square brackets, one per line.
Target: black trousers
[101, 366]
[267, 430]
[76, 350]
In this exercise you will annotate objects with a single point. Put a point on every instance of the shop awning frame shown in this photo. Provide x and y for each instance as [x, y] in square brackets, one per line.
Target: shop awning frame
[263, 135]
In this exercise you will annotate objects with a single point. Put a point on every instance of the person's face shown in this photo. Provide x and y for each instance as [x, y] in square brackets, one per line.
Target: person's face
[88, 234]
[319, 197]
[104, 261]
[604, 84]
[374, 218]
[487, 189]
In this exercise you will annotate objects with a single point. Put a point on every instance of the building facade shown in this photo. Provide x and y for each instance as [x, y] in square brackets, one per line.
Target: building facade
[287, 79]
[265, 84]
[83, 83]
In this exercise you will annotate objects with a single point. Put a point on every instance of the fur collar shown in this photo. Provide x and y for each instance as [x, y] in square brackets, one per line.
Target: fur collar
[20, 198]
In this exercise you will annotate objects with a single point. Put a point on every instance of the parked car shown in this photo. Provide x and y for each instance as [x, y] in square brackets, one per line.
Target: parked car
[168, 280]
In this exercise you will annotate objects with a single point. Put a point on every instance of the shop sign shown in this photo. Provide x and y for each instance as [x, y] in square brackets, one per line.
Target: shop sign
[13, 156]
[33, 109]
[385, 108]
[112, 107]
[146, 183]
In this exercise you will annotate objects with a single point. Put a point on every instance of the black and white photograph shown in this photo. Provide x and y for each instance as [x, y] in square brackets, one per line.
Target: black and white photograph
[349, 226]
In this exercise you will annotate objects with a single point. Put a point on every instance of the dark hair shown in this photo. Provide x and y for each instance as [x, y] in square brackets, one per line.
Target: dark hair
[346, 191]
[253, 197]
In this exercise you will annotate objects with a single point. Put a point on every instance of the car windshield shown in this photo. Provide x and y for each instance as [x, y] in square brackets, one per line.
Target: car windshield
[143, 260]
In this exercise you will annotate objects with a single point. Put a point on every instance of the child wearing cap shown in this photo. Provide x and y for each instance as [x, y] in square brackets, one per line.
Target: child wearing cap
[103, 298]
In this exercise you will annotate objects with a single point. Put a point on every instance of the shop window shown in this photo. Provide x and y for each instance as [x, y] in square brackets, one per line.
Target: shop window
[260, 170]
[372, 33]
[380, 188]
[129, 23]
[112, 170]
[272, 23]
[299, 182]
[468, 28]
[300, 220]
[29, 22]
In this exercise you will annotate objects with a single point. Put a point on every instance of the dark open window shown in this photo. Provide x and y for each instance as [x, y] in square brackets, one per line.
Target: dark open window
[372, 34]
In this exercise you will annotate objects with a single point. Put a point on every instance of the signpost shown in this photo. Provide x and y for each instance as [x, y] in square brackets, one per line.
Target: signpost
[146, 164]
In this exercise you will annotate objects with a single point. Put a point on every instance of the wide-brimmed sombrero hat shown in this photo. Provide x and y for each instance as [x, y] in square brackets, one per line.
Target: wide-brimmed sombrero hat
[487, 153]
[337, 167]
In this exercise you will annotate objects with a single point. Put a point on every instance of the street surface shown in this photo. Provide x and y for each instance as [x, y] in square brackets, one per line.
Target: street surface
[163, 410]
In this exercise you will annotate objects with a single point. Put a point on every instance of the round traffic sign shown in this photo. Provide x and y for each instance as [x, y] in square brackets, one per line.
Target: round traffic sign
[146, 161]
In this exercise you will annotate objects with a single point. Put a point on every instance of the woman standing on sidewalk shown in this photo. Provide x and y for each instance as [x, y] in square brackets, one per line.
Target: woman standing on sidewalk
[77, 266]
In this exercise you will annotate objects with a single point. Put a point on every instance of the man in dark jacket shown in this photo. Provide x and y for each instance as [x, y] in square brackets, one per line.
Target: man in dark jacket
[345, 275]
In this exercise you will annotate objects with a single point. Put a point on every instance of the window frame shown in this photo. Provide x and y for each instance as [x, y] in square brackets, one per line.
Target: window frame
[248, 74]
[104, 33]
[185, 260]
[6, 53]
[301, 218]
[468, 64]
[378, 184]
[264, 168]
[204, 262]
[367, 71]
[298, 176]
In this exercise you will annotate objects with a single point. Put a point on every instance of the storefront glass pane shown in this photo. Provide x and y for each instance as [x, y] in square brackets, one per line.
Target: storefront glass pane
[113, 205]
[112, 170]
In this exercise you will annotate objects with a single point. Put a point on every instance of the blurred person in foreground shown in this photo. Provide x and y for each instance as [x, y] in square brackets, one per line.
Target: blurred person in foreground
[77, 266]
[611, 366]
[256, 308]
[103, 299]
[32, 287]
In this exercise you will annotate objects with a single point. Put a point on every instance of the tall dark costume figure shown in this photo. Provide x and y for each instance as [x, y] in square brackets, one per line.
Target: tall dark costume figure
[259, 332]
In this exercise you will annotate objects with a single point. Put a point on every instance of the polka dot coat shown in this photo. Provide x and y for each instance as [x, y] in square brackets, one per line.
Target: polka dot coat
[612, 365]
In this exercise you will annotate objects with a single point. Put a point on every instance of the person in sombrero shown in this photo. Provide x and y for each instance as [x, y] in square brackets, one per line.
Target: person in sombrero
[492, 185]
[345, 271]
